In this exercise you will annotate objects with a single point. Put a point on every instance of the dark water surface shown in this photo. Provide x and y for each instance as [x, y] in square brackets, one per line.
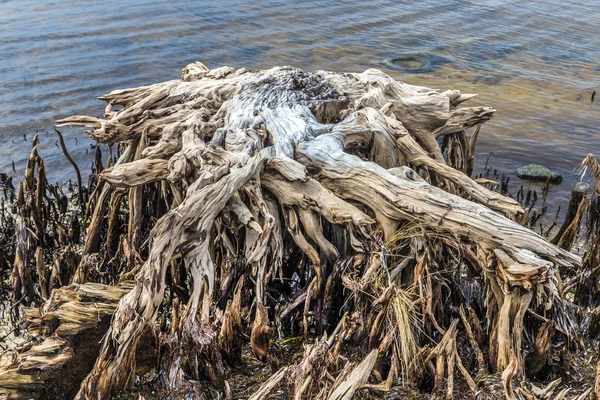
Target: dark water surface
[537, 63]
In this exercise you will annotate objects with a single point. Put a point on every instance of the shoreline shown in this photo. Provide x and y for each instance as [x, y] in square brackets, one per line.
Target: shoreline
[228, 240]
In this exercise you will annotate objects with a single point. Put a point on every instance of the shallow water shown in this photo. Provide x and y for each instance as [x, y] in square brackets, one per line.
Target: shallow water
[537, 63]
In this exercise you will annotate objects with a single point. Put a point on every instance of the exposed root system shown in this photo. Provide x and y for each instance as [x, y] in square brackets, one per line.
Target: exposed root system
[246, 211]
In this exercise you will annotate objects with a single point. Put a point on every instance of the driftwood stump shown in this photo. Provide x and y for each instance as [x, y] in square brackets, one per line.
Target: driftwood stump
[71, 310]
[327, 169]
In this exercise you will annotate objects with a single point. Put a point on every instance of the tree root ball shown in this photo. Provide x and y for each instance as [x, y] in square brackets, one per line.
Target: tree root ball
[351, 191]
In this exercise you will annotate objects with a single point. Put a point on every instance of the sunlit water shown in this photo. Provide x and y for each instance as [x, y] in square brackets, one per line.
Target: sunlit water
[537, 63]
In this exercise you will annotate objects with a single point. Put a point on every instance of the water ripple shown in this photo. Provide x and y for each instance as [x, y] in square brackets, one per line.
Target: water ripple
[536, 62]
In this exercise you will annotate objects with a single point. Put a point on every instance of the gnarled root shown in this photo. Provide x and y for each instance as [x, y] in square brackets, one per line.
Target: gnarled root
[309, 179]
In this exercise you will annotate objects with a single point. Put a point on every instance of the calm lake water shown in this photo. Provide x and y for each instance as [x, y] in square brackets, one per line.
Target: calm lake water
[537, 63]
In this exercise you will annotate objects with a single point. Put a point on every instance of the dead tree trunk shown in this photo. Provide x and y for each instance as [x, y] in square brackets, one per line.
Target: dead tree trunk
[305, 151]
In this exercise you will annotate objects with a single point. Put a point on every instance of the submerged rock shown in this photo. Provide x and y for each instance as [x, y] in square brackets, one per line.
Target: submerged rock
[415, 63]
[538, 172]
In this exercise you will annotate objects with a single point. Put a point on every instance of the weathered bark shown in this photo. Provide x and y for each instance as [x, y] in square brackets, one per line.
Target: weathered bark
[473, 341]
[446, 354]
[588, 276]
[357, 377]
[114, 366]
[597, 382]
[567, 233]
[69, 311]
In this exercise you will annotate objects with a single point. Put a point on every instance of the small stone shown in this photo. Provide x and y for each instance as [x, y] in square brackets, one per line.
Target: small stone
[536, 172]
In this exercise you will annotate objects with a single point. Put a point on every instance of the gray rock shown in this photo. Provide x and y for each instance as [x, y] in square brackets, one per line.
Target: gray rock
[536, 172]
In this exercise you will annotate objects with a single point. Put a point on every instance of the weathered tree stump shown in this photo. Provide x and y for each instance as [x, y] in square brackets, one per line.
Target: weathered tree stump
[328, 164]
